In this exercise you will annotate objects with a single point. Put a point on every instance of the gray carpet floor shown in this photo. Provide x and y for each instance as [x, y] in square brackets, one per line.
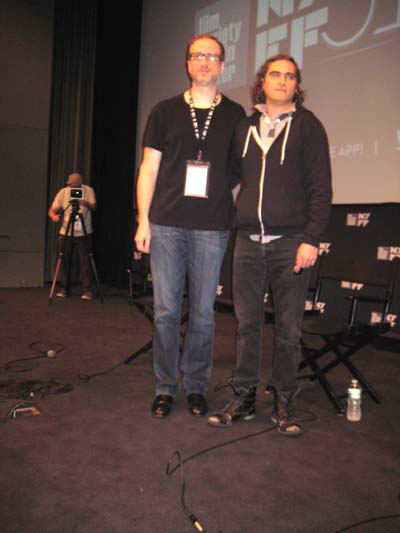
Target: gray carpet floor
[95, 460]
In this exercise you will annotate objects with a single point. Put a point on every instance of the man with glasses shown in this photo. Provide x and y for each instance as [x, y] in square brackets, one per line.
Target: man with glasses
[185, 208]
[283, 208]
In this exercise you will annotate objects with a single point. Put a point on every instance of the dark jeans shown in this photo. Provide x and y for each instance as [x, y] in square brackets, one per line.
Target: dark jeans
[175, 254]
[82, 246]
[255, 267]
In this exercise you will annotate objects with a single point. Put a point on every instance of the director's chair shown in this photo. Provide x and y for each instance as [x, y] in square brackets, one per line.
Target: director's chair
[367, 284]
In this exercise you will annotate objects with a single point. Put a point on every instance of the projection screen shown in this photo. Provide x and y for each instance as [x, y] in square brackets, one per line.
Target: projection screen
[348, 52]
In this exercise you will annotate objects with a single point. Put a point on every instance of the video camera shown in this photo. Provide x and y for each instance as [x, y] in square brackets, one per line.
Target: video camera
[76, 193]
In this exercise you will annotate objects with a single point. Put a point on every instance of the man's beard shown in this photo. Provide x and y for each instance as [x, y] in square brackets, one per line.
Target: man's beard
[204, 82]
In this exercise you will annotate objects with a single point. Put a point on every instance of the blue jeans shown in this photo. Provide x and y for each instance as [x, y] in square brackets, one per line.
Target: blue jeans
[177, 253]
[257, 266]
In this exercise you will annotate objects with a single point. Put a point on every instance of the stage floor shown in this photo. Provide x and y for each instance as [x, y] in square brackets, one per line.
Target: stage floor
[94, 459]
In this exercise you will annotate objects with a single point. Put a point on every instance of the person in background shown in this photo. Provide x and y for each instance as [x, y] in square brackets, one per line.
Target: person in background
[63, 207]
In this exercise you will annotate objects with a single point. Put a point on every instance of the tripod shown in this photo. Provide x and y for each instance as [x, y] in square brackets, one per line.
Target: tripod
[69, 234]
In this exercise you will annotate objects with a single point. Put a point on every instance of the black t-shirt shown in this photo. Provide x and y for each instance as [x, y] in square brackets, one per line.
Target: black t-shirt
[169, 129]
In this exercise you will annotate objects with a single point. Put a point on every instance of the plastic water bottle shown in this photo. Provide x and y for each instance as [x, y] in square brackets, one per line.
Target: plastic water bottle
[354, 401]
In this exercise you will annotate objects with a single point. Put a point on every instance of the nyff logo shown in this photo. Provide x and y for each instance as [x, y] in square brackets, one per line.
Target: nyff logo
[376, 318]
[351, 285]
[302, 25]
[324, 248]
[317, 306]
[301, 31]
[358, 219]
[388, 253]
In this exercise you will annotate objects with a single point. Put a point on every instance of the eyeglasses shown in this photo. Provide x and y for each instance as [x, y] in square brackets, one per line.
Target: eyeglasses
[288, 76]
[199, 56]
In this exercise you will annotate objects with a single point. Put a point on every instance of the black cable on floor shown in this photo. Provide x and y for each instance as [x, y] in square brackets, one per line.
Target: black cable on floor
[368, 521]
[44, 353]
[14, 367]
[189, 513]
[196, 523]
[43, 348]
[87, 377]
[29, 389]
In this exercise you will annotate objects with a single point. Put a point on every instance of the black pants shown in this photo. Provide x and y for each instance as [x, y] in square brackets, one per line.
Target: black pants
[255, 267]
[83, 247]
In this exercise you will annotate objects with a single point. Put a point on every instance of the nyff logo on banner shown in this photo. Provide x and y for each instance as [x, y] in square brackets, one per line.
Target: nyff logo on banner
[291, 26]
[302, 25]
[309, 305]
[300, 30]
[317, 306]
[358, 219]
[376, 318]
[388, 253]
[392, 319]
[324, 248]
[351, 285]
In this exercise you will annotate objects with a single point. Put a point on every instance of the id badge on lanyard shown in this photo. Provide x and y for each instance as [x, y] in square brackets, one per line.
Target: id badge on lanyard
[197, 178]
[198, 171]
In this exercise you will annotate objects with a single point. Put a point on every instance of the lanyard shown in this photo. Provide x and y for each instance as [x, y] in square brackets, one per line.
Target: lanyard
[206, 124]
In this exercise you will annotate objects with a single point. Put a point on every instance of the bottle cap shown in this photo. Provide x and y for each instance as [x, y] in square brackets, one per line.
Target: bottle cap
[355, 393]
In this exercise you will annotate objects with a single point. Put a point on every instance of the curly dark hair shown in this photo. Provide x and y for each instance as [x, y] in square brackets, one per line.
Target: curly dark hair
[257, 91]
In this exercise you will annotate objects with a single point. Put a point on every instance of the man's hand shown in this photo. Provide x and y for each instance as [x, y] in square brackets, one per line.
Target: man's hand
[306, 256]
[54, 214]
[143, 237]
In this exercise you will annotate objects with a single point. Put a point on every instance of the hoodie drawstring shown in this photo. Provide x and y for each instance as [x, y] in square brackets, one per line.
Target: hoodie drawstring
[246, 144]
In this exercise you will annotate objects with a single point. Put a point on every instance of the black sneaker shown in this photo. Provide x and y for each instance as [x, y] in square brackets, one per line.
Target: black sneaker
[243, 407]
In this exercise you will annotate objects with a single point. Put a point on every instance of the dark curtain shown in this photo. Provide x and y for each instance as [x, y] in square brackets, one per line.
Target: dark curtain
[114, 139]
[71, 123]
[93, 124]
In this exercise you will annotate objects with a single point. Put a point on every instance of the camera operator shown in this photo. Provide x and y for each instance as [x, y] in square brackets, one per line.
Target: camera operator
[76, 202]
